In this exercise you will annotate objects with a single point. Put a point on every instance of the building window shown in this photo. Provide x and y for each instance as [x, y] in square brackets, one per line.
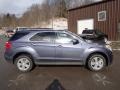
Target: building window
[102, 16]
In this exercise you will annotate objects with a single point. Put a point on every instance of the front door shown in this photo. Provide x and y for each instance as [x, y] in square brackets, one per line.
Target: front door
[65, 49]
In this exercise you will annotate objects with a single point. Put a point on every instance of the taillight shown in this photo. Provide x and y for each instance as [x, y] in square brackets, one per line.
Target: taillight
[8, 45]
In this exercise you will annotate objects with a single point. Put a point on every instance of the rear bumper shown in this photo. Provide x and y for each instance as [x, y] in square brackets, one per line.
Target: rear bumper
[8, 58]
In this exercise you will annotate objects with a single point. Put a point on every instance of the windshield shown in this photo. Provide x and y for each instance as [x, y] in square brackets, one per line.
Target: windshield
[76, 35]
[99, 32]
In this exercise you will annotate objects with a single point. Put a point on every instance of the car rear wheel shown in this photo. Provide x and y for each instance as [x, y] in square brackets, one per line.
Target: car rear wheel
[96, 62]
[24, 63]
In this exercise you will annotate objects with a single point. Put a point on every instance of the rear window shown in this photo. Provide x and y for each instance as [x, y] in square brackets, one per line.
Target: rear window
[99, 32]
[88, 32]
[44, 37]
[17, 36]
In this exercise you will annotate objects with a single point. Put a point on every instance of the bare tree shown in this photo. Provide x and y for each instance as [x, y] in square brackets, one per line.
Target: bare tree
[58, 8]
[36, 14]
[0, 22]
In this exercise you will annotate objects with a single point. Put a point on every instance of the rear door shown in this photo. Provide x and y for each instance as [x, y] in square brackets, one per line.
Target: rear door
[43, 43]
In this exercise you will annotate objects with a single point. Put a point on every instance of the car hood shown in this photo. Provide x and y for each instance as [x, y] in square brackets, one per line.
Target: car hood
[96, 43]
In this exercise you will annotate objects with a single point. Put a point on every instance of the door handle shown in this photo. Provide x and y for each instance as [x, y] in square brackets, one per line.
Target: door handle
[35, 44]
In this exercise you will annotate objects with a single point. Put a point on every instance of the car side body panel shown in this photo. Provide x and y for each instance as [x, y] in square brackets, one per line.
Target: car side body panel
[59, 54]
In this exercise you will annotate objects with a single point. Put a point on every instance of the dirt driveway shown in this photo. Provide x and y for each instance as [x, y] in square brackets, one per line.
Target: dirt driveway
[59, 77]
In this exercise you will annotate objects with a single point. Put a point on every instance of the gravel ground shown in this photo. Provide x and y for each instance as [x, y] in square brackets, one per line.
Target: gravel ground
[116, 45]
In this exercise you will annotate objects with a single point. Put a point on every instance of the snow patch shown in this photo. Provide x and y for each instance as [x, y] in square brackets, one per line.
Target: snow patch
[55, 23]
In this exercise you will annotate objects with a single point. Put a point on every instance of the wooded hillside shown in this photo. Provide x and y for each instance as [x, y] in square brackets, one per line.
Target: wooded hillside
[36, 14]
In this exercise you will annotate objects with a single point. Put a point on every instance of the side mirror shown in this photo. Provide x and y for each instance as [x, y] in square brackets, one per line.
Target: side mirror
[75, 41]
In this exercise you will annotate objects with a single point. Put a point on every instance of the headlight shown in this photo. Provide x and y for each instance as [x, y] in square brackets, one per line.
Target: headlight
[109, 47]
[106, 40]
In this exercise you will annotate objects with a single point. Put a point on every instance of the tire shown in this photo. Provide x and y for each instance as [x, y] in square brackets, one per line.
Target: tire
[96, 62]
[24, 63]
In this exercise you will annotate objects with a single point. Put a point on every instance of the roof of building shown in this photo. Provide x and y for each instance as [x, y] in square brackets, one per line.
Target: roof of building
[83, 6]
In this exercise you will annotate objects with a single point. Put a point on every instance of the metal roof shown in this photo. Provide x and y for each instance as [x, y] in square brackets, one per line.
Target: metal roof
[83, 6]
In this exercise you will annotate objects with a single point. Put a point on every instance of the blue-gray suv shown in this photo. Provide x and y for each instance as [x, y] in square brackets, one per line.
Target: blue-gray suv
[28, 48]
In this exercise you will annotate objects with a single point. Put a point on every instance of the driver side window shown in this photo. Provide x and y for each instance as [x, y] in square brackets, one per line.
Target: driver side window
[63, 38]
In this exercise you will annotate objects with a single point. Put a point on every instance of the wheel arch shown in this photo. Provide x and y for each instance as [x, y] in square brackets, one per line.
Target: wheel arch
[101, 53]
[21, 53]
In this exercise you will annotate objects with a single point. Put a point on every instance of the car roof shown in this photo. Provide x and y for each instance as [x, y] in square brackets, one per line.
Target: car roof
[41, 30]
[32, 28]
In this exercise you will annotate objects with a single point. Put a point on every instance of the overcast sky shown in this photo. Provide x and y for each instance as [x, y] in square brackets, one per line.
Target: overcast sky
[16, 6]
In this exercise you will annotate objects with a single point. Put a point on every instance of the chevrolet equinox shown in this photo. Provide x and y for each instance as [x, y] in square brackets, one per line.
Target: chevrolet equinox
[28, 48]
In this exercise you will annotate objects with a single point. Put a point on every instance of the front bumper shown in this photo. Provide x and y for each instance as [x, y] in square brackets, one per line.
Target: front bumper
[110, 57]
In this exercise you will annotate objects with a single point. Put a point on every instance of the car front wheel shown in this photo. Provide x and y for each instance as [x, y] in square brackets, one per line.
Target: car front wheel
[96, 62]
[24, 63]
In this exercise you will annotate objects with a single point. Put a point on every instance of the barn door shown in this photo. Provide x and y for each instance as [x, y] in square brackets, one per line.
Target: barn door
[83, 24]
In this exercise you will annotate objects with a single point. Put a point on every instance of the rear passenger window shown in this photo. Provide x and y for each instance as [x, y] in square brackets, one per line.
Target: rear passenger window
[17, 36]
[44, 36]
